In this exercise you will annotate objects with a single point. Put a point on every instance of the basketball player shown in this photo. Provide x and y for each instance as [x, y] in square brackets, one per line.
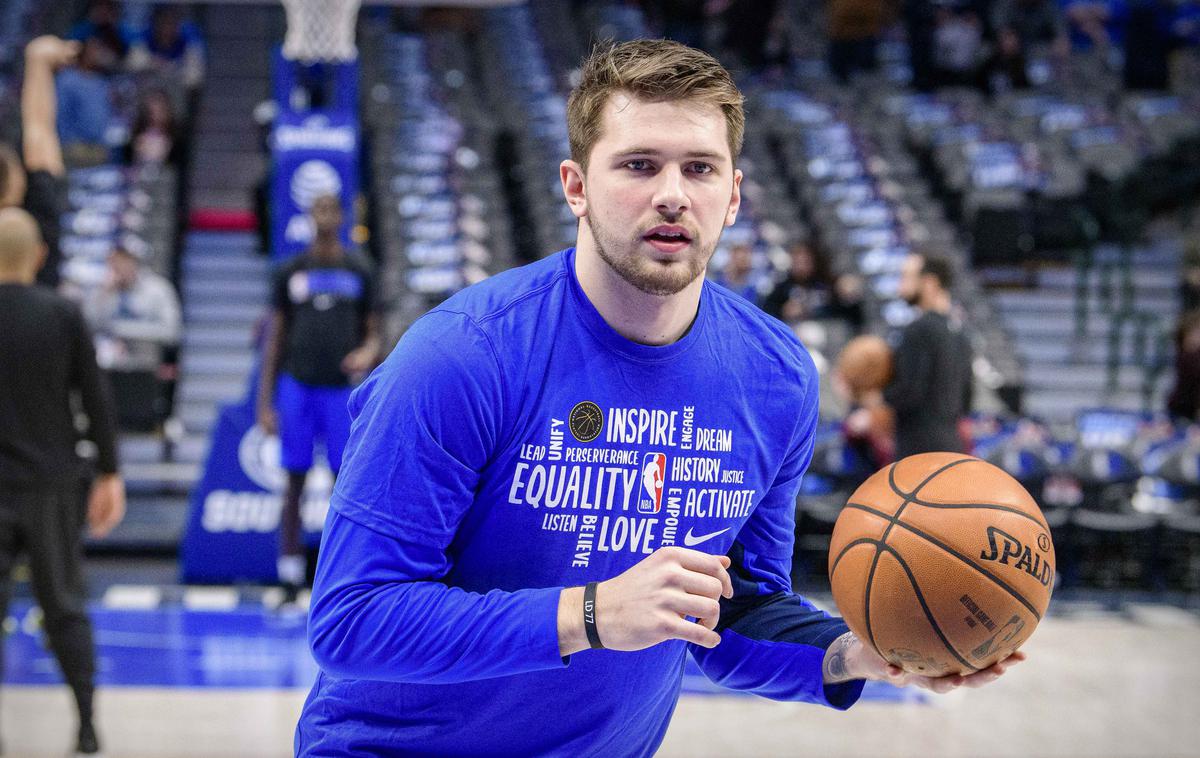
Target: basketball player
[46, 355]
[931, 387]
[496, 577]
[35, 179]
[323, 336]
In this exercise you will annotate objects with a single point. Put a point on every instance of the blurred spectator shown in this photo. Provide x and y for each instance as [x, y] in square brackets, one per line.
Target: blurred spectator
[103, 22]
[1020, 26]
[854, 29]
[1184, 400]
[958, 47]
[752, 29]
[919, 17]
[1149, 40]
[36, 179]
[808, 292]
[170, 44]
[931, 389]
[737, 272]
[85, 106]
[1095, 24]
[135, 315]
[155, 134]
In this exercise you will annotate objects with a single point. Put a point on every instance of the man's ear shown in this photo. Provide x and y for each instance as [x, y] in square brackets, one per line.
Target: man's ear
[39, 258]
[572, 177]
[735, 199]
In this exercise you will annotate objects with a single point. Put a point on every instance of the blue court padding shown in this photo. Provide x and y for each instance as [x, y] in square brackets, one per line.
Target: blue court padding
[247, 647]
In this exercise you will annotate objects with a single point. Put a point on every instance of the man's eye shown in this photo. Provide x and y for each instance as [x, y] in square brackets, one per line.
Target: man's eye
[702, 168]
[638, 165]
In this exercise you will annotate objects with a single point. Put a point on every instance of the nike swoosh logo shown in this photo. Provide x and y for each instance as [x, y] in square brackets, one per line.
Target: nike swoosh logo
[691, 540]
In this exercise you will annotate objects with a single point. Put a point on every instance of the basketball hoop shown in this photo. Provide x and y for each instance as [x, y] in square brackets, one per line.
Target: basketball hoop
[320, 30]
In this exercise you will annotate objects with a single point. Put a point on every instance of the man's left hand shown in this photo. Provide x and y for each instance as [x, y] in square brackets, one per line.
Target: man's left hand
[848, 658]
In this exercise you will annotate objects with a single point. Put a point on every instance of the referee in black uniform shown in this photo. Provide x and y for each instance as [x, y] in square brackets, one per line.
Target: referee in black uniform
[46, 357]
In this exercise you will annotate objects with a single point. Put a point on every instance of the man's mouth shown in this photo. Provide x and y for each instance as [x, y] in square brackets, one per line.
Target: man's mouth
[668, 238]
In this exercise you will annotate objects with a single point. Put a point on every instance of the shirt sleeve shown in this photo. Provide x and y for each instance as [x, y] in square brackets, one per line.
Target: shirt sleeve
[424, 425]
[95, 397]
[773, 641]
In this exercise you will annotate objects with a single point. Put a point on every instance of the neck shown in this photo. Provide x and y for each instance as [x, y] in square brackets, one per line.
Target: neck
[633, 314]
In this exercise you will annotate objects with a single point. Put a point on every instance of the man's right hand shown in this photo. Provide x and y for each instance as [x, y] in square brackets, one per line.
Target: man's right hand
[268, 420]
[649, 603]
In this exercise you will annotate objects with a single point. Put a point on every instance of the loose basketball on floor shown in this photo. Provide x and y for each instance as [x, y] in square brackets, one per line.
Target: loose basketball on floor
[943, 563]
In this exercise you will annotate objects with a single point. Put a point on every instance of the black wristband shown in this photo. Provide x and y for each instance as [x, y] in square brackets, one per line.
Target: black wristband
[589, 616]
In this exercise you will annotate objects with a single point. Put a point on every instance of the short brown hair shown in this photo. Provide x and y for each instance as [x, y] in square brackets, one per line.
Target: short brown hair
[656, 70]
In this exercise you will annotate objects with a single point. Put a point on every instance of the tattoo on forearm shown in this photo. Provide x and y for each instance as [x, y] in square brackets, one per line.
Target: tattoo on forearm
[835, 660]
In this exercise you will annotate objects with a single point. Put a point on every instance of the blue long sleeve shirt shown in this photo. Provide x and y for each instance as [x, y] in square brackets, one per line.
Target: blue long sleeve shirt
[512, 445]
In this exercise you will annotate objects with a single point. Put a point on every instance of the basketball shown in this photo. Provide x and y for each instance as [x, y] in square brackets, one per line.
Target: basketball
[943, 563]
[865, 364]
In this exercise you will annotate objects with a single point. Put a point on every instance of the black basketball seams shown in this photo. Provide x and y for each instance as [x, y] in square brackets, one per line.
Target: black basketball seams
[846, 549]
[882, 544]
[925, 607]
[951, 551]
[985, 506]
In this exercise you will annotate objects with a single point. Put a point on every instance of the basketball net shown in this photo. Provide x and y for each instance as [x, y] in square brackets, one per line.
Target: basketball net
[320, 30]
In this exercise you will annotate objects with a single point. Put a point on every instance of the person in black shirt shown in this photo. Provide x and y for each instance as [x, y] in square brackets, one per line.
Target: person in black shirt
[46, 356]
[809, 293]
[323, 335]
[40, 184]
[931, 388]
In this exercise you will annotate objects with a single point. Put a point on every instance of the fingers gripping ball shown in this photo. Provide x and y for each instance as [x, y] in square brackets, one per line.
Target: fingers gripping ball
[943, 563]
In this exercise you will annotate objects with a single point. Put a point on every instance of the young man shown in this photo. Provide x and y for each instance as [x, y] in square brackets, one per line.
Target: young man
[931, 386]
[324, 334]
[46, 356]
[36, 179]
[565, 479]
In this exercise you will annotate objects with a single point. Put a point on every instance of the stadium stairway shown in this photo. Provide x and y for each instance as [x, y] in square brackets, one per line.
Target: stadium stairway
[1066, 371]
[225, 287]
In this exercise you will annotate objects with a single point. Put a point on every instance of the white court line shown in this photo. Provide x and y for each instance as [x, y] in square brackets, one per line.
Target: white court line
[211, 598]
[131, 597]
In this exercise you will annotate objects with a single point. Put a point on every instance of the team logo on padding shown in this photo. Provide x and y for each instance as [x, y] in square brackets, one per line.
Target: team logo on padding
[586, 421]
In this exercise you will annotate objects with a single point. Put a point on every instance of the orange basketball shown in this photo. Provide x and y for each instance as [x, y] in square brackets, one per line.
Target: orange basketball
[943, 563]
[866, 364]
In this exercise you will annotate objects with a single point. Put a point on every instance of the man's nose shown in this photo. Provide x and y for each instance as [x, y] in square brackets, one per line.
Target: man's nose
[670, 196]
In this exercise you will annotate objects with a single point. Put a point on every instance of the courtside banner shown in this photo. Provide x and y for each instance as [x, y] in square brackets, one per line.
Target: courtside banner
[233, 521]
[313, 154]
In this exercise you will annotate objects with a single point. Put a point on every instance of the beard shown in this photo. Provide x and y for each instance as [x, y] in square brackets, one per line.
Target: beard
[647, 275]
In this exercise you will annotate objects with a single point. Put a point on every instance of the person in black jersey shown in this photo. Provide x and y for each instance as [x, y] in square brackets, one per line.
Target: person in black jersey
[36, 178]
[931, 387]
[323, 335]
[46, 356]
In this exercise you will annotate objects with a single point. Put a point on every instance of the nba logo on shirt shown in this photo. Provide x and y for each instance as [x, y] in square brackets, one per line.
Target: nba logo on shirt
[653, 474]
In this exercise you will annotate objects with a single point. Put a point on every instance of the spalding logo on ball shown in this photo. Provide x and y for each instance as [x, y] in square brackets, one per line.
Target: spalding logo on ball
[943, 563]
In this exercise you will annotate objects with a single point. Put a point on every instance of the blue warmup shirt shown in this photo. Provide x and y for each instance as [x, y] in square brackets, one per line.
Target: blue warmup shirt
[512, 445]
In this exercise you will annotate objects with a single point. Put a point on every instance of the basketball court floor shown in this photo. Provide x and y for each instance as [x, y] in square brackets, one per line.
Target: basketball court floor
[191, 672]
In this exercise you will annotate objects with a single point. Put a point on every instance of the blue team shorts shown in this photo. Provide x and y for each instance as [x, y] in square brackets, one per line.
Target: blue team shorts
[308, 413]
